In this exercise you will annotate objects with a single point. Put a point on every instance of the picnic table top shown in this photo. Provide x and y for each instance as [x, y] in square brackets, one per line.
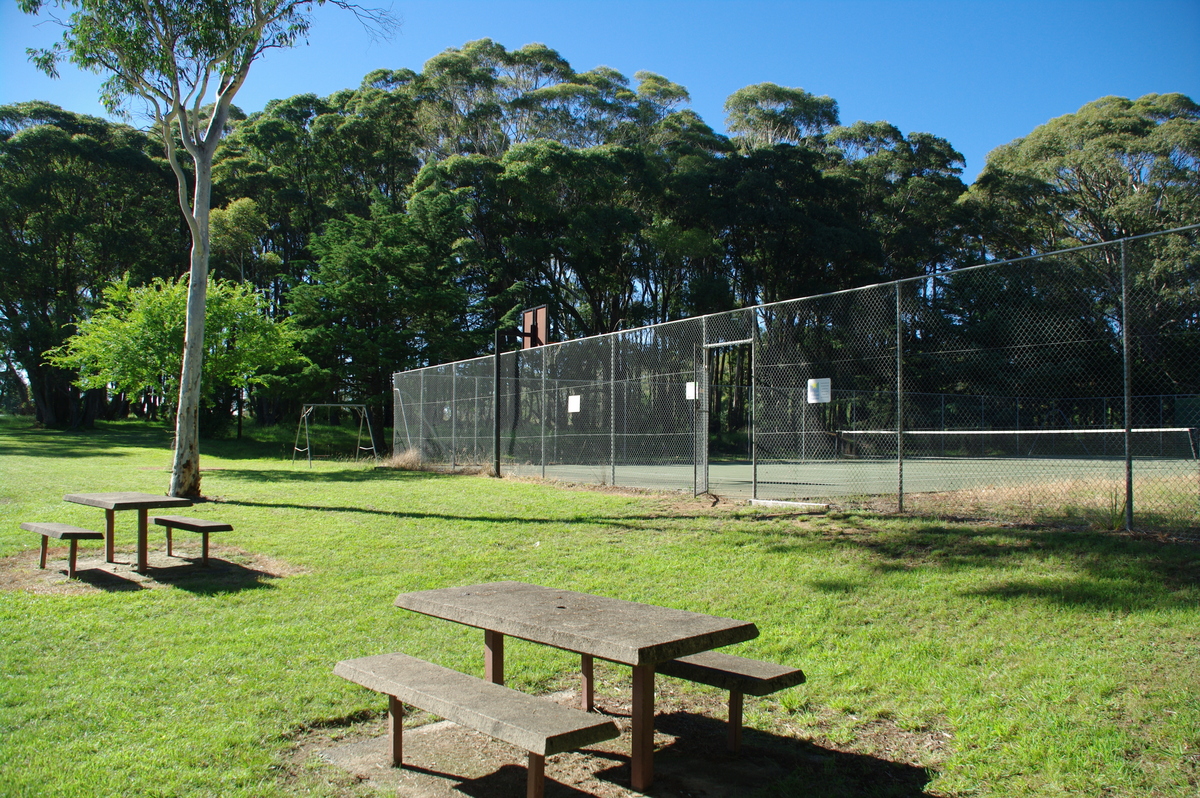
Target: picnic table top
[611, 629]
[126, 500]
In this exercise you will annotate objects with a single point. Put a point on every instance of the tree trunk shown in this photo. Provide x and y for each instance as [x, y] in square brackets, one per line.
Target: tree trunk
[185, 470]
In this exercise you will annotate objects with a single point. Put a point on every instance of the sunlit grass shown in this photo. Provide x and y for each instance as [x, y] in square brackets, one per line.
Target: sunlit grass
[1041, 661]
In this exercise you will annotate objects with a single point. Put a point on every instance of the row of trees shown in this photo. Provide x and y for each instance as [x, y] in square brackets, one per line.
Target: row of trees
[399, 223]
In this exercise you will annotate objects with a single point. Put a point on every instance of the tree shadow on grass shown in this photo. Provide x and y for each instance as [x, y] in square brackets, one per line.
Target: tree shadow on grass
[1115, 570]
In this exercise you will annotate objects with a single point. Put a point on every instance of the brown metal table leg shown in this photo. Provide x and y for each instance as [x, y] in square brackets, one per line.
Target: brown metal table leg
[735, 720]
[45, 546]
[535, 781]
[71, 558]
[587, 686]
[143, 541]
[493, 656]
[396, 730]
[641, 759]
[110, 535]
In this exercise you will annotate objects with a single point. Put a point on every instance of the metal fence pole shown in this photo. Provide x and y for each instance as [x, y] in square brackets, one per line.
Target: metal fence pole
[899, 404]
[496, 408]
[753, 409]
[542, 353]
[1128, 391]
[612, 410]
[453, 417]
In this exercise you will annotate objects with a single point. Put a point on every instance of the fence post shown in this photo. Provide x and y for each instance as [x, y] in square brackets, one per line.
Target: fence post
[612, 410]
[542, 354]
[899, 403]
[496, 408]
[754, 407]
[1128, 391]
[453, 416]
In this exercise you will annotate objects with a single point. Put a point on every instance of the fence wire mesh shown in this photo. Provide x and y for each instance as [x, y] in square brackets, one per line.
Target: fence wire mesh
[1062, 388]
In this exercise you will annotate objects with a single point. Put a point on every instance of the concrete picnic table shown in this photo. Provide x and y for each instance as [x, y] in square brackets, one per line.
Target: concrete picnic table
[111, 502]
[639, 635]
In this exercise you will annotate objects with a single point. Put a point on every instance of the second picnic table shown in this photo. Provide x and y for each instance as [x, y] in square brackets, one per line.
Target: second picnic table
[127, 500]
[639, 635]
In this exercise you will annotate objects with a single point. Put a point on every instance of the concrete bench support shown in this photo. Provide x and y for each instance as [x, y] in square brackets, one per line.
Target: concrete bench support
[74, 534]
[201, 525]
[537, 725]
[738, 675]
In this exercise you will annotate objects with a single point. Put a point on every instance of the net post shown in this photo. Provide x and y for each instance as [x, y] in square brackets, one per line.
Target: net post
[1128, 390]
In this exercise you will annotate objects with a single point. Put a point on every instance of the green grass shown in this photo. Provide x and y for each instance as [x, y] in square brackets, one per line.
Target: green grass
[1043, 662]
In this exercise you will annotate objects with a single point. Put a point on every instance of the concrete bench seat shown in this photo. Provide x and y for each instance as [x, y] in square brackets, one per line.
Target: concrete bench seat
[739, 675]
[535, 724]
[74, 534]
[201, 525]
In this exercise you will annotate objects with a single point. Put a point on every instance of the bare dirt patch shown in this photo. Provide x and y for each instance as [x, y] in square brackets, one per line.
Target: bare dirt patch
[228, 568]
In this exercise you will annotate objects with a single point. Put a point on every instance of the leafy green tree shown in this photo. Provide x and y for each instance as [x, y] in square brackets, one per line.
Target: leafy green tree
[382, 299]
[134, 340]
[78, 207]
[906, 191]
[1116, 168]
[767, 114]
[168, 55]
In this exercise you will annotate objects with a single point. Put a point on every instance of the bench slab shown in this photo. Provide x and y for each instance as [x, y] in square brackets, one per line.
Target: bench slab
[535, 724]
[192, 524]
[731, 672]
[61, 531]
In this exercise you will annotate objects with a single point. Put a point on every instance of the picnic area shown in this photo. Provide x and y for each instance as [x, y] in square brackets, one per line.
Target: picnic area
[938, 657]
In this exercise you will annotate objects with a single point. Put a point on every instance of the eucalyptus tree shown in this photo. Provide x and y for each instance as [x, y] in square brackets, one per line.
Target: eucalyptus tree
[767, 114]
[1116, 168]
[907, 191]
[169, 55]
[82, 201]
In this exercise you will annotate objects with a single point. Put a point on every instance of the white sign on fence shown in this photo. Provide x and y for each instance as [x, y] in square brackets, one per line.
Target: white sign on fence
[573, 404]
[691, 390]
[819, 391]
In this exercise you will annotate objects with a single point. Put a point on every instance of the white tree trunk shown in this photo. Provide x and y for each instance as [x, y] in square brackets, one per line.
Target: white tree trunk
[185, 470]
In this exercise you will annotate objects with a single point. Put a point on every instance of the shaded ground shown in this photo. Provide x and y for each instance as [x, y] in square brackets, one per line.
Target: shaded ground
[443, 760]
[228, 569]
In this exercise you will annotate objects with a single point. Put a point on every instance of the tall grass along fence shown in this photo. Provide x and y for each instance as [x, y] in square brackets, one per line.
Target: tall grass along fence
[1059, 387]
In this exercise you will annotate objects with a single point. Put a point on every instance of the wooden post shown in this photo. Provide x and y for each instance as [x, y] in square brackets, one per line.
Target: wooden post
[71, 558]
[396, 730]
[493, 656]
[45, 546]
[735, 720]
[109, 535]
[143, 540]
[587, 686]
[641, 759]
[535, 781]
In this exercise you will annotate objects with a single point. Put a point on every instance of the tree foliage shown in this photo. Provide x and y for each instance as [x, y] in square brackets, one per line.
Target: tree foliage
[134, 340]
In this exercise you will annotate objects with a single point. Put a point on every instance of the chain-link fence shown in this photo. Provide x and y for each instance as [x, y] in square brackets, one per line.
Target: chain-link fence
[1064, 387]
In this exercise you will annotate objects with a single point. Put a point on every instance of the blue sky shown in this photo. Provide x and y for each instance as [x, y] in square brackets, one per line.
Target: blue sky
[979, 73]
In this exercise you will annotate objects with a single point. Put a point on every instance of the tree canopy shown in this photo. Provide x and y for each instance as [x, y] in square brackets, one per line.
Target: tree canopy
[398, 223]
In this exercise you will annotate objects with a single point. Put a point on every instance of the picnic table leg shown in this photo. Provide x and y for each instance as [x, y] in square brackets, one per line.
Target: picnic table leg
[535, 782]
[143, 540]
[110, 535]
[45, 546]
[587, 688]
[493, 656]
[71, 558]
[170, 543]
[735, 720]
[204, 548]
[396, 730]
[641, 759]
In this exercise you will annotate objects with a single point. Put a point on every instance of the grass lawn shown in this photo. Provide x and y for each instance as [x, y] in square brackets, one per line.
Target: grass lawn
[1003, 661]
